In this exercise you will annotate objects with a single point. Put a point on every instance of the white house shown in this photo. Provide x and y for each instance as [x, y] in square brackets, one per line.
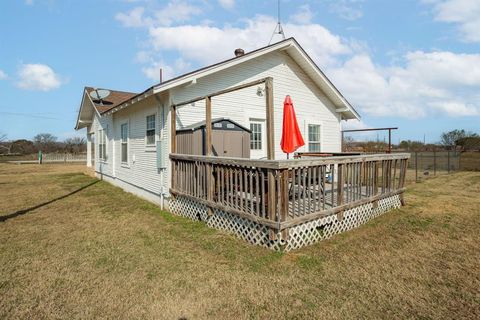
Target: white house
[129, 134]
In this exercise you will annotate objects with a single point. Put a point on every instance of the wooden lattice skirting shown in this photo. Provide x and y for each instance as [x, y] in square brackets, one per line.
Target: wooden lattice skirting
[298, 236]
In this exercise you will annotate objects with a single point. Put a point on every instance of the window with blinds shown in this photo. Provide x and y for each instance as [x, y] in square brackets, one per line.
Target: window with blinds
[314, 138]
[124, 142]
[256, 136]
[150, 133]
[102, 145]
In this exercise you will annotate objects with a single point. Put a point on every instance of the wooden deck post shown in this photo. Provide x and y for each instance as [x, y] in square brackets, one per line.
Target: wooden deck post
[375, 182]
[404, 166]
[340, 183]
[208, 126]
[208, 151]
[271, 198]
[389, 140]
[270, 118]
[173, 129]
[284, 200]
[173, 142]
[342, 148]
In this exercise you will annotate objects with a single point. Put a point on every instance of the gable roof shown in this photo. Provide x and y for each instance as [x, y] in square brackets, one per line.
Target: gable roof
[115, 98]
[290, 46]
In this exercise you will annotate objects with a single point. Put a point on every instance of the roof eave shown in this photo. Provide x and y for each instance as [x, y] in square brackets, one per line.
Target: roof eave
[141, 96]
[193, 76]
[198, 74]
[80, 125]
[351, 110]
[349, 115]
[190, 77]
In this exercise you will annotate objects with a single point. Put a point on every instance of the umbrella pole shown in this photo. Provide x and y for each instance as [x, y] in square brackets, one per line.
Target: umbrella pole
[288, 155]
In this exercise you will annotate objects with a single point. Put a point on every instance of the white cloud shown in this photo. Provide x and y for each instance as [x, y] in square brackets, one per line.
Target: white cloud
[169, 70]
[38, 77]
[354, 125]
[206, 44]
[3, 75]
[417, 84]
[174, 12]
[133, 19]
[227, 4]
[427, 85]
[29, 2]
[464, 13]
[456, 108]
[347, 9]
[304, 15]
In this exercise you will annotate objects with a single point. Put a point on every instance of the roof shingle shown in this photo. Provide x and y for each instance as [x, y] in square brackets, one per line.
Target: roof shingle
[112, 100]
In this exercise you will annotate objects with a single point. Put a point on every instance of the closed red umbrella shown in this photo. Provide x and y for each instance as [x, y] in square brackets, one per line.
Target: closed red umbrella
[291, 137]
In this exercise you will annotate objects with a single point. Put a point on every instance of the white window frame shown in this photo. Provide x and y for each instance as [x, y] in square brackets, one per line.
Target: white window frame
[127, 142]
[151, 145]
[259, 124]
[102, 145]
[319, 141]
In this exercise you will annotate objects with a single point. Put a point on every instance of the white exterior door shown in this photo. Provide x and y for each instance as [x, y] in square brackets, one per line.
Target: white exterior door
[258, 139]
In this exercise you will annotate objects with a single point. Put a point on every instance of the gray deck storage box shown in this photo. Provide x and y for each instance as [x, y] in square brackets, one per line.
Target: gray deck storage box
[229, 139]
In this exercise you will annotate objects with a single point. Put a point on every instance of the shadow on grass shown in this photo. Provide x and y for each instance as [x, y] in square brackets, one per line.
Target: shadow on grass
[24, 211]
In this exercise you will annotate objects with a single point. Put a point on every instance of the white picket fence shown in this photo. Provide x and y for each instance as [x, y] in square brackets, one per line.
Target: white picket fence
[63, 157]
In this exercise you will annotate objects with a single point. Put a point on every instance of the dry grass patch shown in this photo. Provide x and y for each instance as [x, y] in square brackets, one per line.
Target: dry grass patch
[103, 253]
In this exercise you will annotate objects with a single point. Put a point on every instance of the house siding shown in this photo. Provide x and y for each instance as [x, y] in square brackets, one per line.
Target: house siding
[140, 171]
[103, 123]
[141, 175]
[311, 104]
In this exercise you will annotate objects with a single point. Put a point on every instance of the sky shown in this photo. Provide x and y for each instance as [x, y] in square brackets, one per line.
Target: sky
[412, 64]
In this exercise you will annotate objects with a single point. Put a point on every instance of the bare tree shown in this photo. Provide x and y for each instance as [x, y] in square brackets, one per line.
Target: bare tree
[45, 142]
[75, 145]
[348, 143]
[4, 145]
[450, 139]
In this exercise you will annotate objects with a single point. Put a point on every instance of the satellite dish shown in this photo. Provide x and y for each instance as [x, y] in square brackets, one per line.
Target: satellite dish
[99, 94]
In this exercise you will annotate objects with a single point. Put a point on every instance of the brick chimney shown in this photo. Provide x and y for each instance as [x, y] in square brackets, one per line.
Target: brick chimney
[239, 52]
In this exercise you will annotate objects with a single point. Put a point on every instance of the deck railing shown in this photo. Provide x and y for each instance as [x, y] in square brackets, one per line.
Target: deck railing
[284, 193]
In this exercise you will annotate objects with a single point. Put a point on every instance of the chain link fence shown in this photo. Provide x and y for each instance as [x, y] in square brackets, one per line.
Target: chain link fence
[424, 164]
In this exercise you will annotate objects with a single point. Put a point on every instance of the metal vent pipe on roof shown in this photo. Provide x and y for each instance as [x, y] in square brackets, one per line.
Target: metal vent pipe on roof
[239, 52]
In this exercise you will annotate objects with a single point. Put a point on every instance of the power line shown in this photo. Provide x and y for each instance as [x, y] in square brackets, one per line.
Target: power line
[28, 115]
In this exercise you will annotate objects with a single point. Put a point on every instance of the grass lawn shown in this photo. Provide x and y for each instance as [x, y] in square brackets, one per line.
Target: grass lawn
[99, 252]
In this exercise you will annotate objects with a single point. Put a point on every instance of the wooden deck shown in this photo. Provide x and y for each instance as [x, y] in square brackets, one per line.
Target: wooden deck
[284, 193]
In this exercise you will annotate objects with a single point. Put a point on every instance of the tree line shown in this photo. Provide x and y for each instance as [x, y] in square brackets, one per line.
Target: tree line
[44, 142]
[455, 140]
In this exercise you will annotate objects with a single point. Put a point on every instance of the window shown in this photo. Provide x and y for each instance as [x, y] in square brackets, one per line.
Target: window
[256, 136]
[124, 141]
[314, 138]
[150, 130]
[102, 145]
